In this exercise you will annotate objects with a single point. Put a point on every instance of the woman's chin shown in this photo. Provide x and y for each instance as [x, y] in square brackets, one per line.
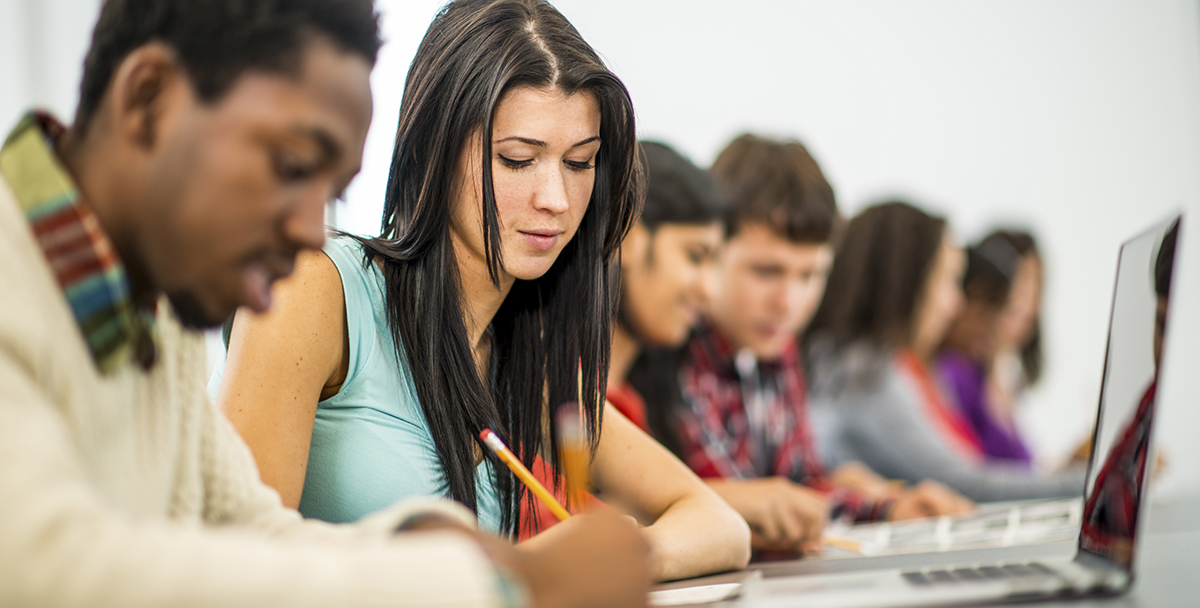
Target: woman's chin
[529, 270]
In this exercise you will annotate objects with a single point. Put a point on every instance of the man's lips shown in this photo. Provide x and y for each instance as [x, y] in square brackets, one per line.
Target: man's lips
[256, 287]
[257, 278]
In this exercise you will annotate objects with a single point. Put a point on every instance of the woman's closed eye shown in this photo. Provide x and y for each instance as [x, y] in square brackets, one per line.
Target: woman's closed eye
[580, 165]
[514, 163]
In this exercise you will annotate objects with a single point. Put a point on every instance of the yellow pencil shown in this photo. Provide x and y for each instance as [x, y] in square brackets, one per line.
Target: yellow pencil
[497, 445]
[842, 543]
[573, 453]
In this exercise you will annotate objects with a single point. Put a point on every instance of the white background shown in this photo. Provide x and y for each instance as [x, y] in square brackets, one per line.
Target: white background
[1078, 119]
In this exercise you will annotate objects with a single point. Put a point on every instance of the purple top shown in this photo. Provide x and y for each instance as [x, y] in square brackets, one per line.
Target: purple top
[964, 381]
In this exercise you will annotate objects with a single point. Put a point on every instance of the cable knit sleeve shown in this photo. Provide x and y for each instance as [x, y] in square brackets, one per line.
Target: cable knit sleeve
[64, 543]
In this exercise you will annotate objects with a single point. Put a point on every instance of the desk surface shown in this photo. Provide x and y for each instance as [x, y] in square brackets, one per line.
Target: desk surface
[1167, 570]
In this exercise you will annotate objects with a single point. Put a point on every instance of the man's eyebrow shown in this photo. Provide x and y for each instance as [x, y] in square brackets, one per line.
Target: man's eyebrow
[330, 149]
[537, 143]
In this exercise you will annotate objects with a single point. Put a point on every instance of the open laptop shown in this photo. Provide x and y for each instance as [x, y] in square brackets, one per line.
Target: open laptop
[993, 524]
[1115, 490]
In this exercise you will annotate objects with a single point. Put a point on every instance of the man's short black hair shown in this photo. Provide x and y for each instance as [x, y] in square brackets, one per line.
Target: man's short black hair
[1164, 262]
[216, 41]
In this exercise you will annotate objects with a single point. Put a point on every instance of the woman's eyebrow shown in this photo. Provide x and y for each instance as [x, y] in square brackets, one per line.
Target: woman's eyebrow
[541, 144]
[587, 141]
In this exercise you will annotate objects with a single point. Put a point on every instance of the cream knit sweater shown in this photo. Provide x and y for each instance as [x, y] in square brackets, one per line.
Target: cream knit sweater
[132, 490]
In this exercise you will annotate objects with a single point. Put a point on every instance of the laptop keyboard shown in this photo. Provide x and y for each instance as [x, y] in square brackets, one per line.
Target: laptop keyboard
[981, 573]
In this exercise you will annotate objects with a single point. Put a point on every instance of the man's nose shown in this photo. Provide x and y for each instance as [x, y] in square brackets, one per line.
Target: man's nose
[304, 227]
[796, 295]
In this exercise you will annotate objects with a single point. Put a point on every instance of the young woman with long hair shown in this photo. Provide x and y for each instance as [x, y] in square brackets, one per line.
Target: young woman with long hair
[892, 294]
[993, 349]
[486, 301]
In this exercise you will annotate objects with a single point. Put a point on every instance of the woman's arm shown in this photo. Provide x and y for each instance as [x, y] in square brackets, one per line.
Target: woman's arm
[889, 434]
[693, 532]
[280, 364]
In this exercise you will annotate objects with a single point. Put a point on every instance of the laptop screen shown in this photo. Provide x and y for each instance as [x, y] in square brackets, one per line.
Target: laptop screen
[1120, 453]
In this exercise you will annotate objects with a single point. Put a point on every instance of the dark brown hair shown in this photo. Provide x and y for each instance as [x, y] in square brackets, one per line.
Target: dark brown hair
[992, 265]
[776, 183]
[879, 275]
[677, 191]
[549, 332]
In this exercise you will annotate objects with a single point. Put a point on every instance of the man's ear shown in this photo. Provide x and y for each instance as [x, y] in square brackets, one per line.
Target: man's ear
[145, 87]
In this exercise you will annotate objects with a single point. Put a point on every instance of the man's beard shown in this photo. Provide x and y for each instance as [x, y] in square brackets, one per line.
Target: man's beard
[190, 313]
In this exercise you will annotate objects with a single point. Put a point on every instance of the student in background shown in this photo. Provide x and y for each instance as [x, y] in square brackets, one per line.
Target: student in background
[993, 350]
[485, 303]
[208, 138]
[732, 402]
[893, 292]
[664, 262]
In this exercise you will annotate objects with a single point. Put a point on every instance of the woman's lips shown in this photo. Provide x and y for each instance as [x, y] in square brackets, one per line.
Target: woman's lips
[541, 240]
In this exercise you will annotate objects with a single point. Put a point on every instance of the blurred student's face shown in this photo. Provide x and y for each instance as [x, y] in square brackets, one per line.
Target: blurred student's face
[1016, 322]
[940, 299]
[663, 276]
[235, 188]
[974, 330]
[766, 289]
[544, 146]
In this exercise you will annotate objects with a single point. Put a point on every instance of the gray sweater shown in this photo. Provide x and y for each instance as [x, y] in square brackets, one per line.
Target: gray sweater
[863, 408]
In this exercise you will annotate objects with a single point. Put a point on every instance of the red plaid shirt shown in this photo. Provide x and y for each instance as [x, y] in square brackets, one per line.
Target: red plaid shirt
[720, 437]
[1110, 514]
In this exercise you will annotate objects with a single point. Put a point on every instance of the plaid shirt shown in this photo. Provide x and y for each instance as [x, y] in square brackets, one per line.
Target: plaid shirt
[91, 276]
[1110, 514]
[720, 436]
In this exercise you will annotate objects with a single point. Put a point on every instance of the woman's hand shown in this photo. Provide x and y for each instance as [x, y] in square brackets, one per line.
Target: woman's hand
[691, 531]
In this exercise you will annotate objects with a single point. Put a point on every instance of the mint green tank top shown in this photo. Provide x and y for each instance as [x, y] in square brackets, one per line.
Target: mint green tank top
[371, 445]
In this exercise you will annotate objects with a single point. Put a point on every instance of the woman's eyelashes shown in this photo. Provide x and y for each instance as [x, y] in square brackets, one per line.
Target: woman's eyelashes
[513, 163]
[517, 164]
[580, 165]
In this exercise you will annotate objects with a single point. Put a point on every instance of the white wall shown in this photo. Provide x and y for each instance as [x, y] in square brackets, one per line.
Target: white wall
[1078, 118]
[42, 44]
